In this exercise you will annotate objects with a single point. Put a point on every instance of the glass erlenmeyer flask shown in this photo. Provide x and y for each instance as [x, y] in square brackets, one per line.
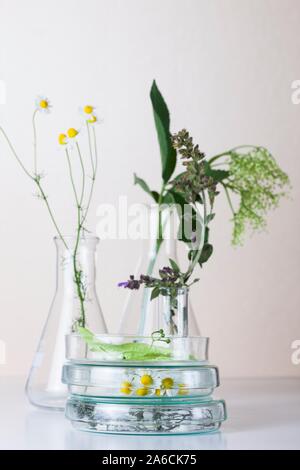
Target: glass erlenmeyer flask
[139, 316]
[44, 387]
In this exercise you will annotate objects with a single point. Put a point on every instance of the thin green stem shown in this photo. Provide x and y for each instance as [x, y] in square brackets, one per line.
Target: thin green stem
[90, 146]
[78, 272]
[15, 153]
[72, 178]
[160, 229]
[229, 199]
[96, 149]
[36, 180]
[199, 249]
[229, 152]
[94, 165]
[216, 165]
[44, 197]
[83, 175]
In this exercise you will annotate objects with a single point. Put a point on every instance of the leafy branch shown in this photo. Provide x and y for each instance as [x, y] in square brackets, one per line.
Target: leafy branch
[247, 172]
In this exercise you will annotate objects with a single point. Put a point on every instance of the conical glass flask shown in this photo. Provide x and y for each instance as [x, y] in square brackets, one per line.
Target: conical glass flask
[44, 387]
[141, 315]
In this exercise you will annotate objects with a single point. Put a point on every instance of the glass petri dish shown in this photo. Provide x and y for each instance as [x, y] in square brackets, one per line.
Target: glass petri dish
[136, 349]
[134, 416]
[140, 382]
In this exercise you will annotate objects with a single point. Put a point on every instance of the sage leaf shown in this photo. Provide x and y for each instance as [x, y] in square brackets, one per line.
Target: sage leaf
[162, 124]
[174, 266]
[155, 293]
[206, 253]
[217, 175]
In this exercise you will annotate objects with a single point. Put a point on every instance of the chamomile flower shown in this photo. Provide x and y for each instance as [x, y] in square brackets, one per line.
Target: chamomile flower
[72, 133]
[42, 104]
[89, 114]
[63, 139]
[126, 387]
[72, 137]
[149, 383]
[68, 139]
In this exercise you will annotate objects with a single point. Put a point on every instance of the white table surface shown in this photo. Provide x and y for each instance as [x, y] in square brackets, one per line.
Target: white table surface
[263, 414]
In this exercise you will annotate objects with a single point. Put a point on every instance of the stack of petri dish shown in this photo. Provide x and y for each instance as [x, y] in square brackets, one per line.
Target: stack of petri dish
[133, 385]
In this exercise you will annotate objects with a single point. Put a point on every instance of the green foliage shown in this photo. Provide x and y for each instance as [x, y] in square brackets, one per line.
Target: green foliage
[142, 183]
[206, 253]
[174, 266]
[162, 124]
[217, 175]
[128, 351]
[252, 175]
[260, 183]
[194, 179]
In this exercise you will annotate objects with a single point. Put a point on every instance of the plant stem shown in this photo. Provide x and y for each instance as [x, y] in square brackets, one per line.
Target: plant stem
[201, 243]
[36, 180]
[234, 149]
[228, 198]
[72, 178]
[44, 197]
[160, 231]
[94, 165]
[15, 153]
[78, 272]
[83, 175]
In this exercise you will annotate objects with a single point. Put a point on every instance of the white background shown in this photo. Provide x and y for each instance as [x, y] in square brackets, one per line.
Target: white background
[225, 68]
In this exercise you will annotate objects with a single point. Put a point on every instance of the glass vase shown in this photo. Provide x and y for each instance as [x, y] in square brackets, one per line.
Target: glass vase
[44, 387]
[141, 315]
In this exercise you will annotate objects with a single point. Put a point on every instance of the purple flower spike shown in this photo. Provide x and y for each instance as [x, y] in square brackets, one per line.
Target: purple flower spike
[123, 284]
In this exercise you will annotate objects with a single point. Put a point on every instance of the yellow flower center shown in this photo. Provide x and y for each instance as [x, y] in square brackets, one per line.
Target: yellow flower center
[88, 109]
[158, 392]
[62, 139]
[167, 383]
[92, 119]
[146, 380]
[126, 388]
[44, 104]
[141, 392]
[72, 133]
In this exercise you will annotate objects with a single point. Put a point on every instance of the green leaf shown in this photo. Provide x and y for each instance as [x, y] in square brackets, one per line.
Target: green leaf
[209, 218]
[142, 183]
[162, 124]
[217, 175]
[174, 266]
[86, 334]
[155, 196]
[206, 253]
[168, 198]
[155, 293]
[206, 235]
[129, 351]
